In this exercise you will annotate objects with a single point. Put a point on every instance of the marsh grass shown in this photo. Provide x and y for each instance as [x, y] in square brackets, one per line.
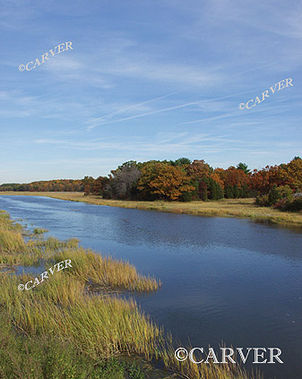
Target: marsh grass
[105, 271]
[37, 231]
[11, 241]
[100, 327]
[48, 357]
[60, 330]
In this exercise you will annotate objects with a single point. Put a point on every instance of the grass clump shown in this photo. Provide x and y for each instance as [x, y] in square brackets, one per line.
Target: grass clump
[11, 241]
[37, 231]
[105, 272]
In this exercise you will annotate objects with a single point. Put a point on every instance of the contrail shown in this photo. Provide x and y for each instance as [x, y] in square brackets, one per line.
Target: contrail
[131, 107]
[167, 109]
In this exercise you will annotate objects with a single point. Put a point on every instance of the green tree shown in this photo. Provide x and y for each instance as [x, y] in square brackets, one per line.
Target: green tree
[180, 162]
[243, 167]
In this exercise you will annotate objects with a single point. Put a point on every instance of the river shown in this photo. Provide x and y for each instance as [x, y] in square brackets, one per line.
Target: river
[225, 280]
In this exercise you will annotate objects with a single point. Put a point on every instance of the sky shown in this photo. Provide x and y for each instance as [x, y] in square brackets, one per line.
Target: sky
[144, 80]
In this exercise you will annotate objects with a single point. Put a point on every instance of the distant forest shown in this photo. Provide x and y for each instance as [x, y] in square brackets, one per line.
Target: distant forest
[185, 180]
[63, 185]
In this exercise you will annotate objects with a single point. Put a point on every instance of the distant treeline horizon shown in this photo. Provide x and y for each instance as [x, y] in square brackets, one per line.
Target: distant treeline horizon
[182, 179]
[70, 185]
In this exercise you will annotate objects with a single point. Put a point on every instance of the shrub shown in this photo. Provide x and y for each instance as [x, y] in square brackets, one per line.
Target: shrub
[277, 197]
[262, 200]
[278, 193]
[186, 196]
[294, 205]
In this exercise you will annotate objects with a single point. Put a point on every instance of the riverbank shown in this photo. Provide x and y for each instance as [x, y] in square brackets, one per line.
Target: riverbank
[75, 324]
[243, 208]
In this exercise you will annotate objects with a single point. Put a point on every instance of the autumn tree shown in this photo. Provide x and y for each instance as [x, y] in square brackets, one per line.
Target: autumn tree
[294, 172]
[88, 183]
[163, 181]
[199, 169]
[262, 181]
[236, 182]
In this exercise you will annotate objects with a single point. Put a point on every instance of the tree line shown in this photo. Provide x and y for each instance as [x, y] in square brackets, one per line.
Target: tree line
[186, 180]
[60, 185]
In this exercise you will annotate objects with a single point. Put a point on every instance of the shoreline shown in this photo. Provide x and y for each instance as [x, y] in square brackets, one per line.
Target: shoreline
[238, 208]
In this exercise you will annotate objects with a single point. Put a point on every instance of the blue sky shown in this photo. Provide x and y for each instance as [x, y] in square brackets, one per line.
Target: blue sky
[147, 79]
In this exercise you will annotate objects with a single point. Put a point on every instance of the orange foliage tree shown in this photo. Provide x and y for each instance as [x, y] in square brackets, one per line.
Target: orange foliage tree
[294, 173]
[198, 169]
[236, 181]
[162, 181]
[262, 181]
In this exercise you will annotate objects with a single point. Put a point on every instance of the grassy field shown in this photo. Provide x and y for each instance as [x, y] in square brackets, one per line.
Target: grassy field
[244, 208]
[72, 325]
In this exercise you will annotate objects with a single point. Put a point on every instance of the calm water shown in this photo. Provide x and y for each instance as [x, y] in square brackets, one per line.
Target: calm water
[224, 280]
